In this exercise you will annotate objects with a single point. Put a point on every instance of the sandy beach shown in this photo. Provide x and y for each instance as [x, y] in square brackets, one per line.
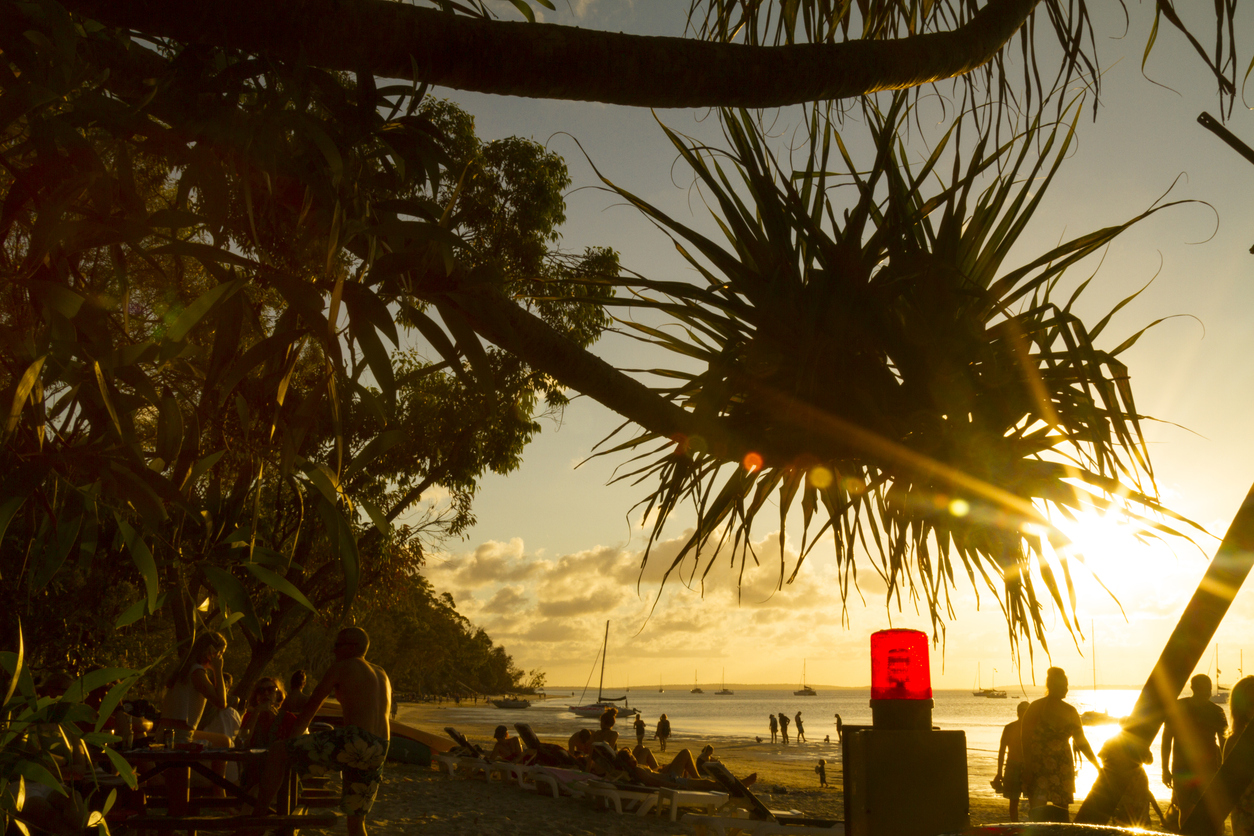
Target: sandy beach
[420, 800]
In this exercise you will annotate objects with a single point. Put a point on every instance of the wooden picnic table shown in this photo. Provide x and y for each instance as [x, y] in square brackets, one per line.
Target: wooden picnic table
[184, 813]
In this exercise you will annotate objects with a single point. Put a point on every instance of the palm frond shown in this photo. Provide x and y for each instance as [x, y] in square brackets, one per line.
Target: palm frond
[895, 376]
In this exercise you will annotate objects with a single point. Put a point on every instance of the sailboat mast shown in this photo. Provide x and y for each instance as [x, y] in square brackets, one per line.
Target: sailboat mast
[605, 644]
[1093, 633]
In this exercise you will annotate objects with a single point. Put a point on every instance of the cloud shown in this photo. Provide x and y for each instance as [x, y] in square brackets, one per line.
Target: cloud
[492, 562]
[508, 599]
[600, 601]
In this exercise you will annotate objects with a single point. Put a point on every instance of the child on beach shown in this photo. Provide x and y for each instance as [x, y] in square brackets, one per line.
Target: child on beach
[774, 728]
[822, 770]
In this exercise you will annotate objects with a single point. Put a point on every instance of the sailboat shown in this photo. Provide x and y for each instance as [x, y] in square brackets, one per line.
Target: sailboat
[724, 691]
[1221, 693]
[805, 690]
[696, 689]
[660, 689]
[603, 702]
[1095, 718]
[990, 692]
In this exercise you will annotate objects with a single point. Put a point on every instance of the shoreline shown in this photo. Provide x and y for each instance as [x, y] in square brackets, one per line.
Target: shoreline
[786, 776]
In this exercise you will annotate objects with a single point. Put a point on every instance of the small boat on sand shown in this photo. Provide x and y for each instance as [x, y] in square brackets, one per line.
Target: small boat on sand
[511, 702]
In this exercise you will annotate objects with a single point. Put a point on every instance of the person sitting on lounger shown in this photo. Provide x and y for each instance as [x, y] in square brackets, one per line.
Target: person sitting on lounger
[681, 773]
[707, 754]
[580, 747]
[644, 755]
[606, 733]
[507, 748]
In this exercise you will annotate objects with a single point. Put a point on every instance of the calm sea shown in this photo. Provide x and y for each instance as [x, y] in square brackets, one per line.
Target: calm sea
[743, 717]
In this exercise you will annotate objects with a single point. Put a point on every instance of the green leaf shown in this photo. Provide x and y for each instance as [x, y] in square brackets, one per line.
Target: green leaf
[143, 559]
[276, 581]
[522, 6]
[374, 448]
[17, 669]
[24, 387]
[343, 544]
[7, 511]
[125, 771]
[197, 310]
[232, 592]
[377, 516]
[138, 610]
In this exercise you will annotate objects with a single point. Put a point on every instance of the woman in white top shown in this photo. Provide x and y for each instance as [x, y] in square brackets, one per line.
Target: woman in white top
[196, 681]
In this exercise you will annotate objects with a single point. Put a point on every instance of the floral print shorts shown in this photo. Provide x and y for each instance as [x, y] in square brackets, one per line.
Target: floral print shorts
[350, 750]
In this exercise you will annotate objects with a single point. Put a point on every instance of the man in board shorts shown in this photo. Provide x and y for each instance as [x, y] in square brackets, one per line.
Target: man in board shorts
[357, 749]
[1009, 781]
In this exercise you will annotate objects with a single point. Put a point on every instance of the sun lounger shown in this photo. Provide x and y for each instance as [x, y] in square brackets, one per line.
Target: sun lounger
[505, 770]
[708, 801]
[762, 820]
[545, 754]
[550, 780]
[638, 800]
[460, 740]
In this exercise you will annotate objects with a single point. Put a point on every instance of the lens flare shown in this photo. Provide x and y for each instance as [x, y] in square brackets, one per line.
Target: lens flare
[821, 477]
[752, 462]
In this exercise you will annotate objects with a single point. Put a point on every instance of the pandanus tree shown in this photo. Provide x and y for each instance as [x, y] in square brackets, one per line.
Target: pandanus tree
[899, 380]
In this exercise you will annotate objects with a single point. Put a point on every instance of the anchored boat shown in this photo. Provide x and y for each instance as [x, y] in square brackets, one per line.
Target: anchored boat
[603, 702]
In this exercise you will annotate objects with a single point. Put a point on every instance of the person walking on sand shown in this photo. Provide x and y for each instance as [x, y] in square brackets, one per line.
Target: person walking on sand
[662, 732]
[1009, 781]
[821, 769]
[783, 727]
[1193, 735]
[357, 749]
[801, 730]
[774, 728]
[639, 727]
[840, 729]
[1050, 729]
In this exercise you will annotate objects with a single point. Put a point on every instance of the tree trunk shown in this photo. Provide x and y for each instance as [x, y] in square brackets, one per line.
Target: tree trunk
[548, 61]
[1197, 626]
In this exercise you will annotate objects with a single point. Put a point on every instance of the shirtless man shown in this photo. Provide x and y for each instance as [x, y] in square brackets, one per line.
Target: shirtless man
[1009, 780]
[1193, 736]
[1049, 728]
[357, 748]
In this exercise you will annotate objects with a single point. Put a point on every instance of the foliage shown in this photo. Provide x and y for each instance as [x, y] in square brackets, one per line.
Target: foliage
[34, 729]
[899, 379]
[210, 263]
[418, 636]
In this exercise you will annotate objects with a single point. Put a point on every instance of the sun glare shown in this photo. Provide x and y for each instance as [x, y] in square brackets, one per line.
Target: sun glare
[1106, 541]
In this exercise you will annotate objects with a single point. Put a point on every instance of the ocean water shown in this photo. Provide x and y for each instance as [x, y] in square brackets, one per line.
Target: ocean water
[742, 718]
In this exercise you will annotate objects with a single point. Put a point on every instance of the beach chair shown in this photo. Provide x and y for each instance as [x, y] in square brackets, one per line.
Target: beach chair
[553, 781]
[467, 758]
[545, 754]
[702, 799]
[622, 797]
[460, 740]
[761, 821]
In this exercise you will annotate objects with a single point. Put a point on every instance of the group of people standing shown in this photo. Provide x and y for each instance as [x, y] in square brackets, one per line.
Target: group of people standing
[1037, 753]
[779, 727]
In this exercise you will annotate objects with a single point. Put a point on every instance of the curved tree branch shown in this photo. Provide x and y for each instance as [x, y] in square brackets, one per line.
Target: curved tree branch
[540, 60]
